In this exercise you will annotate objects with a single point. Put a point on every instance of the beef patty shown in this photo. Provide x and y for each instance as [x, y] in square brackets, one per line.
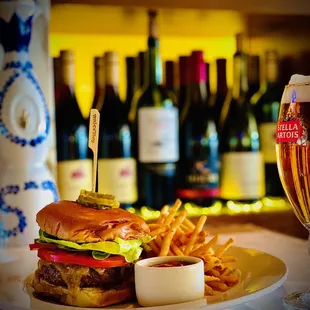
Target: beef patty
[65, 275]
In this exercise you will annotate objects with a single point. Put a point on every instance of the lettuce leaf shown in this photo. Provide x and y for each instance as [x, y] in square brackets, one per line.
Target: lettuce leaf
[100, 255]
[129, 249]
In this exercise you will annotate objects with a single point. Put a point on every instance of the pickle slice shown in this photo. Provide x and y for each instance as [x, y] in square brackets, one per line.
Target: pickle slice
[95, 195]
[97, 200]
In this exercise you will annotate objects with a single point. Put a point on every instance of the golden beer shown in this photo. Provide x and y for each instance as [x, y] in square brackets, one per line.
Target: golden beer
[293, 147]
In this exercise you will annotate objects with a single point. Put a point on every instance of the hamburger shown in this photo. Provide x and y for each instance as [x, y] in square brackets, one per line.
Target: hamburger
[86, 251]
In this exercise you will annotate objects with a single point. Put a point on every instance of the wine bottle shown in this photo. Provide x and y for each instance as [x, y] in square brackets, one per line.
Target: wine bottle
[303, 63]
[242, 171]
[99, 81]
[208, 88]
[98, 94]
[266, 110]
[198, 168]
[254, 75]
[139, 77]
[57, 77]
[131, 82]
[221, 90]
[141, 59]
[287, 67]
[116, 167]
[184, 81]
[156, 132]
[169, 79]
[74, 168]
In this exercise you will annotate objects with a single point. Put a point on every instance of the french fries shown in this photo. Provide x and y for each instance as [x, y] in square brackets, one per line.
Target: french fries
[168, 237]
[176, 235]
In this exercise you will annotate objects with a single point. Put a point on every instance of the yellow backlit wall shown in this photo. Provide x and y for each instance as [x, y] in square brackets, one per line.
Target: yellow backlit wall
[127, 46]
[91, 30]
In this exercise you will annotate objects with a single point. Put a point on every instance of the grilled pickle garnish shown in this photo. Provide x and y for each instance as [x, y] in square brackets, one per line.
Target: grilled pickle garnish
[97, 200]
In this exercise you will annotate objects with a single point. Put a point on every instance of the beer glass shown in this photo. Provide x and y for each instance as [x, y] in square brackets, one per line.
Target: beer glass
[293, 148]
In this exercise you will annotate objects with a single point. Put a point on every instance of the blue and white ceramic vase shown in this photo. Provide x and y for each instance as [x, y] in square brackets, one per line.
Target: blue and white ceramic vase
[26, 185]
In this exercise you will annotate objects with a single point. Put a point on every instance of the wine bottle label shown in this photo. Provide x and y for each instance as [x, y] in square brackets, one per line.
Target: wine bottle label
[242, 175]
[267, 135]
[117, 176]
[158, 135]
[74, 175]
[202, 179]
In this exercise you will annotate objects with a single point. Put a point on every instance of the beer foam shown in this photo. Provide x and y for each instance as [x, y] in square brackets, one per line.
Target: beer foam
[298, 89]
[298, 78]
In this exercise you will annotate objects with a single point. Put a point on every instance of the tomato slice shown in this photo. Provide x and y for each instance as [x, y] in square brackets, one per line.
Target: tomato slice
[36, 246]
[83, 259]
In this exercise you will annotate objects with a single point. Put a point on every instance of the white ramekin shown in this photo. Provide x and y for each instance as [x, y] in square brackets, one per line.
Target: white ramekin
[157, 286]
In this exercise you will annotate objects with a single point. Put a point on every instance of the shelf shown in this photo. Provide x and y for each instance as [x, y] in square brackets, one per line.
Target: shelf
[116, 20]
[270, 215]
[297, 7]
[284, 222]
[89, 30]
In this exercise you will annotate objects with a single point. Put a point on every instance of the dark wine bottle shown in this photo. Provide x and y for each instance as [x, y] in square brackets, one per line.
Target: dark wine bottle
[140, 78]
[155, 125]
[98, 81]
[57, 77]
[140, 71]
[254, 75]
[303, 63]
[184, 81]
[169, 80]
[131, 82]
[116, 167]
[208, 88]
[221, 90]
[267, 110]
[74, 169]
[98, 93]
[198, 168]
[287, 67]
[242, 171]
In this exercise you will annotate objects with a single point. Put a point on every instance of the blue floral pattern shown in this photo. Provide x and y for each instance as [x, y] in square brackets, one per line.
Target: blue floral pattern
[24, 68]
[15, 37]
[16, 34]
[50, 186]
[31, 185]
[14, 190]
[17, 65]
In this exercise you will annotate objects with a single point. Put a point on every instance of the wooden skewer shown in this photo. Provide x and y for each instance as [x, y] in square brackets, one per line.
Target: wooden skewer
[93, 135]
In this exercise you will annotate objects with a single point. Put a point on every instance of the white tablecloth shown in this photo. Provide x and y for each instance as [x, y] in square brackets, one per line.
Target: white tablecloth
[293, 251]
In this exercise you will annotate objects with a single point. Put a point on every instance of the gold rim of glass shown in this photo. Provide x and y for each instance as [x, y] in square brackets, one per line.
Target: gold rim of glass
[297, 84]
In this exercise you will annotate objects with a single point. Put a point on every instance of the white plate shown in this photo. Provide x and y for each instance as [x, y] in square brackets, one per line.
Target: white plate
[261, 274]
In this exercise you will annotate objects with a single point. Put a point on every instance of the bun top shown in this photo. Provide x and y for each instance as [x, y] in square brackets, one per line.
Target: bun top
[71, 221]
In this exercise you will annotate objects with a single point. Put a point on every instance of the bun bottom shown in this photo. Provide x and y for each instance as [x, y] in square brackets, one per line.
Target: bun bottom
[84, 297]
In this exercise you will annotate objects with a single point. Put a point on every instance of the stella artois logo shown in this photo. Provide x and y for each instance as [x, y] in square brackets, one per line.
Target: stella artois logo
[291, 128]
[289, 131]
